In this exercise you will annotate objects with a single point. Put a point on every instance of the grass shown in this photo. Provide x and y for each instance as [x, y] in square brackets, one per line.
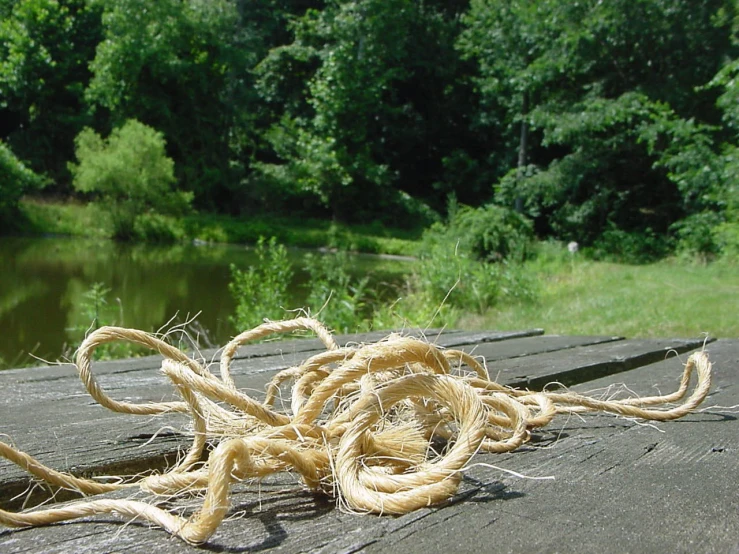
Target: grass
[672, 298]
[46, 217]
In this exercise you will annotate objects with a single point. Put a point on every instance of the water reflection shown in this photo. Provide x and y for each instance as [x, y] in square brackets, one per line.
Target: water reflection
[43, 283]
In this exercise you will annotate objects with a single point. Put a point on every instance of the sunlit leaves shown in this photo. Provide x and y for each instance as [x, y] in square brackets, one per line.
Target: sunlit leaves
[129, 172]
[15, 180]
[45, 46]
[181, 67]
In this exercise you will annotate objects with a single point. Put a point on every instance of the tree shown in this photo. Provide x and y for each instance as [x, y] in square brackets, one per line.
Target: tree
[704, 164]
[371, 106]
[727, 195]
[515, 46]
[45, 48]
[129, 173]
[15, 180]
[181, 67]
[594, 81]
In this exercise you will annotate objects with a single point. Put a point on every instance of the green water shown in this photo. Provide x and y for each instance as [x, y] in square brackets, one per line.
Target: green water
[43, 282]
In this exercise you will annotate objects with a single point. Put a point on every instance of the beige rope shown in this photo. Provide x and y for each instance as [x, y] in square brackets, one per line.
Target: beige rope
[362, 424]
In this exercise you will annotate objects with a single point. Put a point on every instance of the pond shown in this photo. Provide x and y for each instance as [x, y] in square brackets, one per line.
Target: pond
[45, 284]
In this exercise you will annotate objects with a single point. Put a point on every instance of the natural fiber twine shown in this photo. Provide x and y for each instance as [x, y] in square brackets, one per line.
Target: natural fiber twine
[363, 424]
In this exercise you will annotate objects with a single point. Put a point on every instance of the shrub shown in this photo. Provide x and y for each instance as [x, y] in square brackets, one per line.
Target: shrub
[445, 285]
[154, 227]
[15, 180]
[446, 276]
[490, 233]
[449, 283]
[129, 173]
[695, 234]
[96, 312]
[726, 237]
[469, 284]
[633, 247]
[467, 266]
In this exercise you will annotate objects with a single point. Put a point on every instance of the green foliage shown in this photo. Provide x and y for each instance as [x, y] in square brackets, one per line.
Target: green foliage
[95, 300]
[182, 68]
[620, 130]
[446, 284]
[446, 276]
[490, 233]
[43, 217]
[695, 233]
[603, 122]
[382, 107]
[606, 180]
[453, 276]
[726, 82]
[45, 49]
[636, 247]
[335, 297]
[15, 180]
[131, 175]
[726, 239]
[705, 174]
[470, 264]
[449, 286]
[155, 227]
[261, 291]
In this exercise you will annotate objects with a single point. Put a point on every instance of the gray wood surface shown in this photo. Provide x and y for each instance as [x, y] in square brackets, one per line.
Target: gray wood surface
[620, 486]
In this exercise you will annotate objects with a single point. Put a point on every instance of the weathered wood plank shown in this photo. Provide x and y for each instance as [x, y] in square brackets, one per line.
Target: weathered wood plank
[618, 487]
[575, 365]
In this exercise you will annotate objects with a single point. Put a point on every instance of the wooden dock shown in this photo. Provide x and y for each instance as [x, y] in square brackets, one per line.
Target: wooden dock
[619, 485]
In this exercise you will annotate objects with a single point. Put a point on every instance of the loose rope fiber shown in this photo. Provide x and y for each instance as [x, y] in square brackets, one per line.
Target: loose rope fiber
[386, 427]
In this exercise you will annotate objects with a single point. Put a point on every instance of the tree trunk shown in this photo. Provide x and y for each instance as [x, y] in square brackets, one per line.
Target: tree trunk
[522, 145]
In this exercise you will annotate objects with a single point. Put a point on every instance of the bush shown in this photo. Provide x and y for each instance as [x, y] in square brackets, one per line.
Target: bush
[15, 180]
[467, 266]
[96, 312]
[634, 247]
[449, 284]
[726, 238]
[446, 285]
[129, 173]
[708, 235]
[695, 234]
[490, 233]
[154, 227]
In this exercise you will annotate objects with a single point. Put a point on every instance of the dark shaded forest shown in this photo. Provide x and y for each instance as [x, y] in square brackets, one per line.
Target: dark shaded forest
[609, 123]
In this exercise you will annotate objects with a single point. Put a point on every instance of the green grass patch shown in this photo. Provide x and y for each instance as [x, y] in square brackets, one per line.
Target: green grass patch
[44, 217]
[671, 298]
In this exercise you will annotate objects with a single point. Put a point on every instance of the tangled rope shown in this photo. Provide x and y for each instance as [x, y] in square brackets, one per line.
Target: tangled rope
[388, 427]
